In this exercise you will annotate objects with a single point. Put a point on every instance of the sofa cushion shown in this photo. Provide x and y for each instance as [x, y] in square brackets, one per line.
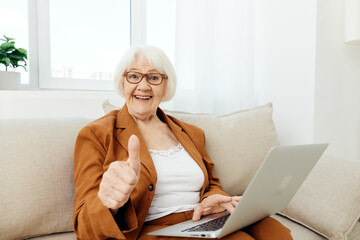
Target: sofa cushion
[328, 201]
[36, 177]
[298, 232]
[355, 233]
[237, 143]
[57, 236]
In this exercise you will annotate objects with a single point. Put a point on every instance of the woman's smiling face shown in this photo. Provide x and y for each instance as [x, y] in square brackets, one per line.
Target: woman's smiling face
[143, 99]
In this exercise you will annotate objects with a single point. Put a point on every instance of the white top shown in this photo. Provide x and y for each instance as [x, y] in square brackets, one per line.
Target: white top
[179, 182]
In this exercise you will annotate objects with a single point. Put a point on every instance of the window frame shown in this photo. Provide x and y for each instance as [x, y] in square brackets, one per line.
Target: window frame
[39, 49]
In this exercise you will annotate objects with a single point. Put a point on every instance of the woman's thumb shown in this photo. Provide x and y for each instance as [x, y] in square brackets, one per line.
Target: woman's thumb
[134, 158]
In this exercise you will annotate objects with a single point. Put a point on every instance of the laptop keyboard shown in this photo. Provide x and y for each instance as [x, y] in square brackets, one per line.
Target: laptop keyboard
[212, 225]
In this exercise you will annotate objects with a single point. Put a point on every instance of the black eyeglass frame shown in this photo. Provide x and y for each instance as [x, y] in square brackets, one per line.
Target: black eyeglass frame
[163, 76]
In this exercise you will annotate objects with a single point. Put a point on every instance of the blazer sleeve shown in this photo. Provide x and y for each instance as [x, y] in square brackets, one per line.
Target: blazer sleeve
[91, 219]
[214, 182]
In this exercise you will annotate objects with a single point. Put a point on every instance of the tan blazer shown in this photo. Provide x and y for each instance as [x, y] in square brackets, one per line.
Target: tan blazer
[104, 141]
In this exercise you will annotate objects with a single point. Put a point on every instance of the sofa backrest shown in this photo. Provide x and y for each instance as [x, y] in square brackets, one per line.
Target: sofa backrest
[36, 177]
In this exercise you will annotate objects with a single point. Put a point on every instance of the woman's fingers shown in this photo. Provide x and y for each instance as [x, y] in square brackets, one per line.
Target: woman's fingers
[215, 200]
[229, 207]
[201, 210]
[121, 169]
[208, 211]
[236, 198]
[112, 203]
[122, 184]
[215, 204]
[212, 204]
[234, 203]
[197, 213]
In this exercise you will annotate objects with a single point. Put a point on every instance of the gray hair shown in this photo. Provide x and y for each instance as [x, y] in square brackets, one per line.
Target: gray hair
[156, 58]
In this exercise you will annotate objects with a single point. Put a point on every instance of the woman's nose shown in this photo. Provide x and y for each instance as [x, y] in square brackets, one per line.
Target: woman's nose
[143, 84]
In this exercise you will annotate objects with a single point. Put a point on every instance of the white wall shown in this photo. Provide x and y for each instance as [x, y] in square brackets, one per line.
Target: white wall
[337, 88]
[51, 104]
[285, 32]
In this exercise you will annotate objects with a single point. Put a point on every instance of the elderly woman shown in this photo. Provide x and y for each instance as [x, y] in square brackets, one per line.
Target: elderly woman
[138, 170]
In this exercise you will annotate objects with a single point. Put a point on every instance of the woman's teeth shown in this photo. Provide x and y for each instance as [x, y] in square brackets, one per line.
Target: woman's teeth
[143, 97]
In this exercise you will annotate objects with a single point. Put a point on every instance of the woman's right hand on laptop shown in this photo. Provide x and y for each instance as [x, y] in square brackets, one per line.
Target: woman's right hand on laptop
[215, 204]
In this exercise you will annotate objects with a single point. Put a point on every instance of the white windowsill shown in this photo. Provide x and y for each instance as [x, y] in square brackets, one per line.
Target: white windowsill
[55, 103]
[56, 94]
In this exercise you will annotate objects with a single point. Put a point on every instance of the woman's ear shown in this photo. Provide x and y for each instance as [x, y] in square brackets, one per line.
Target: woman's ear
[166, 90]
[122, 83]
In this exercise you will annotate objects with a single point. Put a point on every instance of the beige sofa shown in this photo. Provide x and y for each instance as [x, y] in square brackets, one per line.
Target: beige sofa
[37, 190]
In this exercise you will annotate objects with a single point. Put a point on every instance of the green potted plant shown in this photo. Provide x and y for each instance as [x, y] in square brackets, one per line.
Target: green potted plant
[10, 59]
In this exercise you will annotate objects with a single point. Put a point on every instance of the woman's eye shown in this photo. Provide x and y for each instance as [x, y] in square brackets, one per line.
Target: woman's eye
[133, 76]
[154, 78]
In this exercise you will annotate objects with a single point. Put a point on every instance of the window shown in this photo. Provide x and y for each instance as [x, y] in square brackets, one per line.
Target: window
[77, 44]
[80, 42]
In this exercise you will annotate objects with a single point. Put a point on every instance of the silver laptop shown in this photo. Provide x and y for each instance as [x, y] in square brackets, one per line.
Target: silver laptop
[271, 189]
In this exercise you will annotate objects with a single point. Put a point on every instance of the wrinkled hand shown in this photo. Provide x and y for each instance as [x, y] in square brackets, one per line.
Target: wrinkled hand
[215, 204]
[120, 178]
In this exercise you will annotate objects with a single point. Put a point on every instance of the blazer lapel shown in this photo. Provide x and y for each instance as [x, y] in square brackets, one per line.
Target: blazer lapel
[126, 127]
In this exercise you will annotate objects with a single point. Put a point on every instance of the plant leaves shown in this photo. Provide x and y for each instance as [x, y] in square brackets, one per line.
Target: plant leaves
[10, 55]
[14, 63]
[7, 61]
[8, 38]
[16, 56]
[6, 46]
[22, 50]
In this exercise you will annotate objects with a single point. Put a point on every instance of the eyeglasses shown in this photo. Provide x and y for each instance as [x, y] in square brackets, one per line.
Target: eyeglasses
[151, 78]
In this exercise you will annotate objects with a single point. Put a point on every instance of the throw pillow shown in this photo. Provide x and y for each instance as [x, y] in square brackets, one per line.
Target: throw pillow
[328, 202]
[237, 143]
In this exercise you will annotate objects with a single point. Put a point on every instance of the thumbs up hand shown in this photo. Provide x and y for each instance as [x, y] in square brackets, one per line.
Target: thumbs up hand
[121, 177]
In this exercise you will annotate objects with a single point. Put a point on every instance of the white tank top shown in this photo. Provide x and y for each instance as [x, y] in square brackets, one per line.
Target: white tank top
[179, 182]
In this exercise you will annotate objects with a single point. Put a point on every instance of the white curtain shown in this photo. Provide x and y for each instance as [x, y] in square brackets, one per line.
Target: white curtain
[214, 56]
